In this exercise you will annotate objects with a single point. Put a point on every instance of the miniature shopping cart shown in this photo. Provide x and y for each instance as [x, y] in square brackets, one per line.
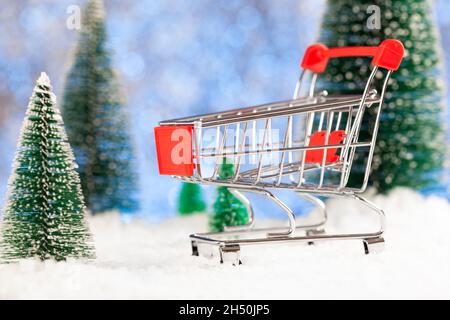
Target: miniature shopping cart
[308, 145]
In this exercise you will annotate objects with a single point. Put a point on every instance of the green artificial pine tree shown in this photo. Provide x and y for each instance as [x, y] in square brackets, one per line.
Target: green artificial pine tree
[191, 199]
[45, 213]
[410, 145]
[228, 210]
[96, 122]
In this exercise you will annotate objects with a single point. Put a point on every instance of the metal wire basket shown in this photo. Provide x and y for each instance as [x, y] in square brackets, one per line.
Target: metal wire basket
[307, 144]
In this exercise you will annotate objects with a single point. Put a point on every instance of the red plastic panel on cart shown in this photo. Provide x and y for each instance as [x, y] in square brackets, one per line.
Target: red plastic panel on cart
[318, 139]
[174, 150]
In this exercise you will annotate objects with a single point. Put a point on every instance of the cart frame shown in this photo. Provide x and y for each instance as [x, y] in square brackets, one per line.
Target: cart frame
[300, 161]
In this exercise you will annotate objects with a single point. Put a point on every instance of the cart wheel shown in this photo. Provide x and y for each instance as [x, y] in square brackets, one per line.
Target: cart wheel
[231, 254]
[194, 248]
[314, 232]
[373, 245]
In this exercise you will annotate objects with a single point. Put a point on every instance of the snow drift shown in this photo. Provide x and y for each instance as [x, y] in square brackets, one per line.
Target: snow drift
[148, 261]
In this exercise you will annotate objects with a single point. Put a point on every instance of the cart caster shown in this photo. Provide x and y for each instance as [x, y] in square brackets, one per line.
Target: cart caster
[373, 245]
[314, 232]
[230, 254]
[194, 248]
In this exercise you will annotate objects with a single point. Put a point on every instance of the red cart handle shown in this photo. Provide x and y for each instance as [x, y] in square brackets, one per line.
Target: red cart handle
[388, 54]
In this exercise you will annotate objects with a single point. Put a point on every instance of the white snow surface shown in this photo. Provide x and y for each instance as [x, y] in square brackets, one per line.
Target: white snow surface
[44, 80]
[153, 261]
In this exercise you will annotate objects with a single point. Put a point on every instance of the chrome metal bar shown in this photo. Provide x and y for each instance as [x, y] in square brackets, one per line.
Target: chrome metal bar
[285, 144]
[254, 142]
[290, 137]
[289, 212]
[259, 151]
[376, 209]
[246, 184]
[217, 139]
[273, 168]
[236, 143]
[375, 132]
[298, 85]
[338, 122]
[206, 238]
[353, 152]
[267, 113]
[349, 120]
[343, 157]
[241, 148]
[353, 136]
[298, 103]
[361, 106]
[313, 85]
[230, 149]
[307, 169]
[296, 94]
[218, 160]
[270, 139]
[274, 105]
[232, 238]
[262, 154]
[197, 132]
[309, 124]
[325, 151]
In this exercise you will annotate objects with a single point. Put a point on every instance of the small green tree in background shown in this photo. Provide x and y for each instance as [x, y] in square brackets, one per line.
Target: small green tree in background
[97, 124]
[410, 144]
[45, 212]
[227, 209]
[190, 200]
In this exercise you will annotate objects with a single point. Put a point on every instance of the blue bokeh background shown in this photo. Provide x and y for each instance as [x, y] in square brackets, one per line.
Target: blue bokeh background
[175, 58]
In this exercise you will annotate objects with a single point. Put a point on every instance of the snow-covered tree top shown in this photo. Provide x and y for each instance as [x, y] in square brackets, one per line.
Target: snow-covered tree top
[43, 80]
[99, 8]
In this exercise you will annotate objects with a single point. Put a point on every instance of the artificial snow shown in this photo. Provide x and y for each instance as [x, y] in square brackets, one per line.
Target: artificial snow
[44, 80]
[148, 261]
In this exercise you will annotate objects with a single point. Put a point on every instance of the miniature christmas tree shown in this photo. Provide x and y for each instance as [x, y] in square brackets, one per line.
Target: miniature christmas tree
[410, 145]
[96, 122]
[45, 213]
[191, 199]
[228, 210]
